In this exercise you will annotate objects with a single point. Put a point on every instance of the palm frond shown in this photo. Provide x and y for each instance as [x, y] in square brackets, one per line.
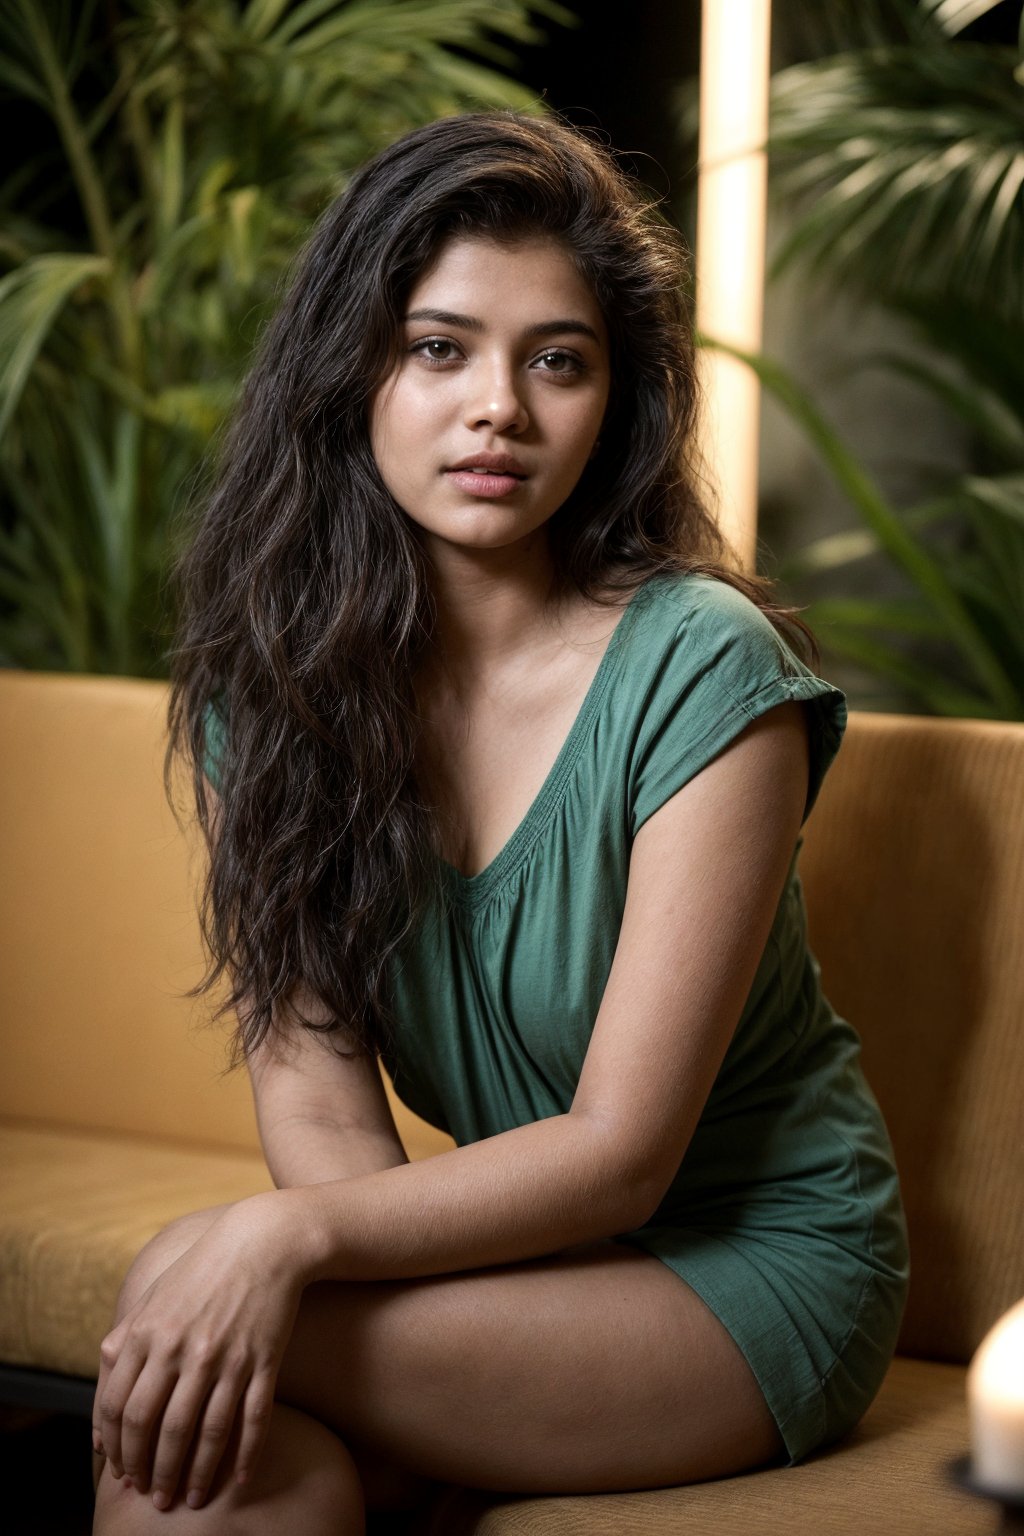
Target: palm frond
[201, 138]
[918, 562]
[906, 170]
[938, 693]
[31, 298]
[954, 15]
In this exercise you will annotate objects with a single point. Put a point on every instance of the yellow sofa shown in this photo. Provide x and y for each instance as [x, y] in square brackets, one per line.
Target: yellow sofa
[115, 1114]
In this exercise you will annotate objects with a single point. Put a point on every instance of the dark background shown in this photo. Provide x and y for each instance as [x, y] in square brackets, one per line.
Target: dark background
[619, 72]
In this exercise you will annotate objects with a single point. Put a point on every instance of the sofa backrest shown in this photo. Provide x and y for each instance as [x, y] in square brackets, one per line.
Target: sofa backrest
[913, 868]
[97, 921]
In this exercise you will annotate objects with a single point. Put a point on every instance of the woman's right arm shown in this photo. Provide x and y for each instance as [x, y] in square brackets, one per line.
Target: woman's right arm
[321, 1116]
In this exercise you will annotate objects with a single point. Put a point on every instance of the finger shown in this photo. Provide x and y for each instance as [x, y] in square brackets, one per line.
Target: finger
[120, 1364]
[97, 1426]
[218, 1421]
[190, 1429]
[256, 1409]
[177, 1432]
[140, 1420]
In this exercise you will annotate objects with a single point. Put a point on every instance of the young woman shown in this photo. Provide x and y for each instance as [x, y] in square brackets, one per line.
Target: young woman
[504, 774]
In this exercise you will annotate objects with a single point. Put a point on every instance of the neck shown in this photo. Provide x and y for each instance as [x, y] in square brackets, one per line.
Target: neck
[493, 605]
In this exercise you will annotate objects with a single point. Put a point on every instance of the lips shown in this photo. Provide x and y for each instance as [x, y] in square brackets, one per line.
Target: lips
[490, 464]
[491, 475]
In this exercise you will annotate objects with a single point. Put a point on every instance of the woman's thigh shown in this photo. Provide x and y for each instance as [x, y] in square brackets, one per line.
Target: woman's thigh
[592, 1370]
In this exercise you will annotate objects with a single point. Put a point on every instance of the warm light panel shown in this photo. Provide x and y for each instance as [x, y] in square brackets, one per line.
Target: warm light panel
[732, 188]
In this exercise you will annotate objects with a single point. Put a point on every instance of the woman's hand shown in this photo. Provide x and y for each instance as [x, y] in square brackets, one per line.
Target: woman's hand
[197, 1357]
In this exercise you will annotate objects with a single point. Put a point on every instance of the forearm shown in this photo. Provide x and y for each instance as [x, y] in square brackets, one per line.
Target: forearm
[300, 1150]
[530, 1191]
[321, 1116]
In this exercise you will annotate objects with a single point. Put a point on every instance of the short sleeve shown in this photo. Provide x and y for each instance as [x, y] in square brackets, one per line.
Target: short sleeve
[721, 666]
[215, 741]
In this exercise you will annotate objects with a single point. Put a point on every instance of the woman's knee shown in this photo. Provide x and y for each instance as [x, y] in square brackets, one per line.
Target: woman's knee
[305, 1480]
[160, 1253]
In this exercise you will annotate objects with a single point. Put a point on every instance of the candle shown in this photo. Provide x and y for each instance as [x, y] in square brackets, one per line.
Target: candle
[995, 1400]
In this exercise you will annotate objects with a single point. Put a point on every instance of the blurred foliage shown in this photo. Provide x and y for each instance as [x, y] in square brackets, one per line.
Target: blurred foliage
[899, 152]
[173, 154]
[903, 155]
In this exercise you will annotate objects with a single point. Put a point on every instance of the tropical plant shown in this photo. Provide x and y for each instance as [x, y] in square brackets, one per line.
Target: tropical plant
[902, 152]
[177, 152]
[955, 642]
[903, 155]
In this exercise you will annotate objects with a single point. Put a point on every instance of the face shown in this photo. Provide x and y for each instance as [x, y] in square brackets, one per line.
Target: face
[495, 405]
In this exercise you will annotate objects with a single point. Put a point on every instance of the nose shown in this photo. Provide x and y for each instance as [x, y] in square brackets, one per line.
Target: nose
[495, 398]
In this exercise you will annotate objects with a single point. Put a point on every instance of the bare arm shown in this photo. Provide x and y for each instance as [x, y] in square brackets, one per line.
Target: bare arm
[321, 1116]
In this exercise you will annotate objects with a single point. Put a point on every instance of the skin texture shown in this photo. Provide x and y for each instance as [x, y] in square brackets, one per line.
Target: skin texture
[504, 350]
[467, 1319]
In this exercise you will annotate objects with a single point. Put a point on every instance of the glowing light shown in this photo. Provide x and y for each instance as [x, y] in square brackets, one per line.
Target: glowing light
[731, 197]
[995, 1400]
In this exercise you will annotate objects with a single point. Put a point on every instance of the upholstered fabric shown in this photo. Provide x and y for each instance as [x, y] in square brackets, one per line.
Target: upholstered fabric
[891, 1476]
[914, 877]
[75, 1208]
[97, 921]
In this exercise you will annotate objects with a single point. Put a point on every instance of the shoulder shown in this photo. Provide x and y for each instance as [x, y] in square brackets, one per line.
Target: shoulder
[699, 609]
[700, 662]
[693, 632]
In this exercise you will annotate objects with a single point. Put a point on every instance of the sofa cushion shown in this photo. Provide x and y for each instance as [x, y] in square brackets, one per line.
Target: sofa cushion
[75, 1208]
[891, 1475]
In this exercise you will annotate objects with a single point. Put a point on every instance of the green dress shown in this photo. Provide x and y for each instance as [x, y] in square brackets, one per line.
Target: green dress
[785, 1214]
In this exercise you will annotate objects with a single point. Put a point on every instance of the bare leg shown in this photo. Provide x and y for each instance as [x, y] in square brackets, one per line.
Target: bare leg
[306, 1471]
[592, 1370]
[306, 1483]
[588, 1371]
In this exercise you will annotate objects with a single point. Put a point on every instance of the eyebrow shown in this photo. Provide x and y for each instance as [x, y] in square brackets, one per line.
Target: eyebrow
[470, 323]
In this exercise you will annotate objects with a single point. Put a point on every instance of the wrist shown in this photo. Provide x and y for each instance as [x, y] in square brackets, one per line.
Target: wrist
[300, 1231]
[278, 1230]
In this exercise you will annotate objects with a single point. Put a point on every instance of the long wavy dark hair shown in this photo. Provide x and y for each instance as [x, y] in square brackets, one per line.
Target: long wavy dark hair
[305, 596]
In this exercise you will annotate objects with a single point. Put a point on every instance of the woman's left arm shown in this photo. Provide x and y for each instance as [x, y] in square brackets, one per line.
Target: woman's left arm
[706, 875]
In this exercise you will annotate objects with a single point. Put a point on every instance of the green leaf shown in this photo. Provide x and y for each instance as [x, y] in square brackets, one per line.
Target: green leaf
[55, 588]
[954, 15]
[200, 408]
[261, 16]
[984, 410]
[901, 616]
[910, 554]
[836, 551]
[941, 696]
[904, 165]
[1004, 495]
[31, 299]
[171, 170]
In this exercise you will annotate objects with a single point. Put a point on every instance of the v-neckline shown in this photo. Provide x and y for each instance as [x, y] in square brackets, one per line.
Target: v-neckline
[475, 890]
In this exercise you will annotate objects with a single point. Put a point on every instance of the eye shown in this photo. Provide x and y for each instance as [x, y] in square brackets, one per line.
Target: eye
[557, 361]
[436, 349]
